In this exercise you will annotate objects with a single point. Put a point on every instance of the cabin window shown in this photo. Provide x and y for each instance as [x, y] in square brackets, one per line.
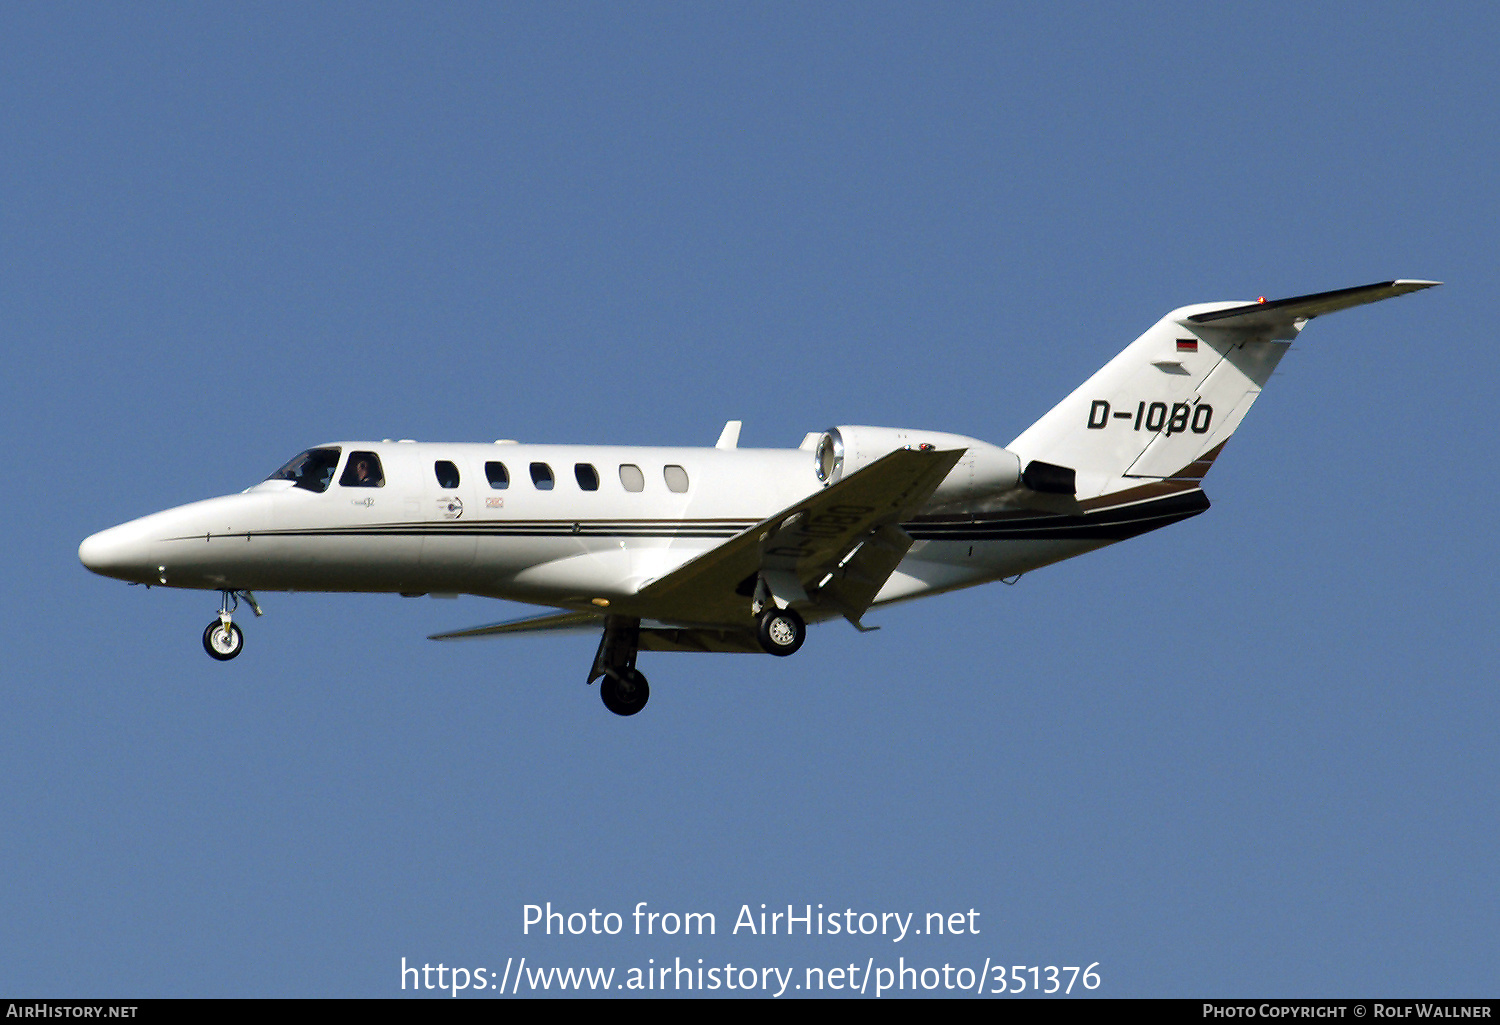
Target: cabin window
[632, 477]
[677, 479]
[588, 477]
[311, 470]
[541, 476]
[362, 471]
[498, 475]
[446, 473]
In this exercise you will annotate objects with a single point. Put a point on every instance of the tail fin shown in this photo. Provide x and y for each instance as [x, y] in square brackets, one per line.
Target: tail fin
[1163, 408]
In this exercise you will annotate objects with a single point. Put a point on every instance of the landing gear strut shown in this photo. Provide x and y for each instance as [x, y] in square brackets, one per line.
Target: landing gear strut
[623, 687]
[221, 638]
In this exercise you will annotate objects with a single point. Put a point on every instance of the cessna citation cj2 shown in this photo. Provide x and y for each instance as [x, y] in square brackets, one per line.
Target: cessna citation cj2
[731, 549]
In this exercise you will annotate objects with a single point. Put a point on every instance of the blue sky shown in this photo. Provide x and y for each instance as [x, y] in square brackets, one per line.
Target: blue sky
[1252, 754]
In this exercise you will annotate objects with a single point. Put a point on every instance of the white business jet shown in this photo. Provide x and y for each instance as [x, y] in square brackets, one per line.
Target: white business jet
[724, 548]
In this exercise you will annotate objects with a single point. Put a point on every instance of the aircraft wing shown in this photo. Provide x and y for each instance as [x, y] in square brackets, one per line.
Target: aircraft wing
[551, 621]
[832, 549]
[654, 636]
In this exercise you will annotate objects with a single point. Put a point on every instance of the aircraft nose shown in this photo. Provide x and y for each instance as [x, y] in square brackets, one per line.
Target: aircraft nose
[123, 552]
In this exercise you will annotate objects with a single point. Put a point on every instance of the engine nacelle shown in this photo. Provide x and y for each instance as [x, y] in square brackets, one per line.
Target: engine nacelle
[984, 471]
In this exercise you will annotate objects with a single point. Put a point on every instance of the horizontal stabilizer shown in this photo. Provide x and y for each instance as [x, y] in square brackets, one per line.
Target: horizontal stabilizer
[1270, 313]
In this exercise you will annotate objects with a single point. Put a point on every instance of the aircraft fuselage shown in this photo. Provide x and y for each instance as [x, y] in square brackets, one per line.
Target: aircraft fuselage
[565, 528]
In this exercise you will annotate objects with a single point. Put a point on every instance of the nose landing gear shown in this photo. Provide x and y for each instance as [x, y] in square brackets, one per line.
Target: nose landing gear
[223, 642]
[221, 638]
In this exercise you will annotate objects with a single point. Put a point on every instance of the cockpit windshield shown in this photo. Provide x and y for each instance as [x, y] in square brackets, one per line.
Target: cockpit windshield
[312, 469]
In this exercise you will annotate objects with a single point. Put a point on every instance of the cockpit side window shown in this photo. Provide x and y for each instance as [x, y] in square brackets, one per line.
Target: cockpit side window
[363, 471]
[311, 470]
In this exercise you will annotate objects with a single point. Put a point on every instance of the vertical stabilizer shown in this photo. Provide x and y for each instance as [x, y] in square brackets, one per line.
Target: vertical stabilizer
[1163, 408]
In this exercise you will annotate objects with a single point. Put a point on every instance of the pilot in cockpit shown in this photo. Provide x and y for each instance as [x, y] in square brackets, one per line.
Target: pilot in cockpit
[363, 471]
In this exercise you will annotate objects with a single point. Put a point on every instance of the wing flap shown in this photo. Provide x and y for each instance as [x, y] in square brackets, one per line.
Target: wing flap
[852, 586]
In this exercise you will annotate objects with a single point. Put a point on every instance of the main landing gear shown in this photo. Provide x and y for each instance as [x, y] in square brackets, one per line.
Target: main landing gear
[625, 692]
[780, 631]
[623, 687]
[778, 627]
[221, 638]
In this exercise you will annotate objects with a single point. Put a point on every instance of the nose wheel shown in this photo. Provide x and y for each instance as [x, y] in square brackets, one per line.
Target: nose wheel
[221, 638]
[223, 641]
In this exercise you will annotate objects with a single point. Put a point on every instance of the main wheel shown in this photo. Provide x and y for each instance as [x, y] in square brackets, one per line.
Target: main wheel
[781, 631]
[625, 694]
[222, 642]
